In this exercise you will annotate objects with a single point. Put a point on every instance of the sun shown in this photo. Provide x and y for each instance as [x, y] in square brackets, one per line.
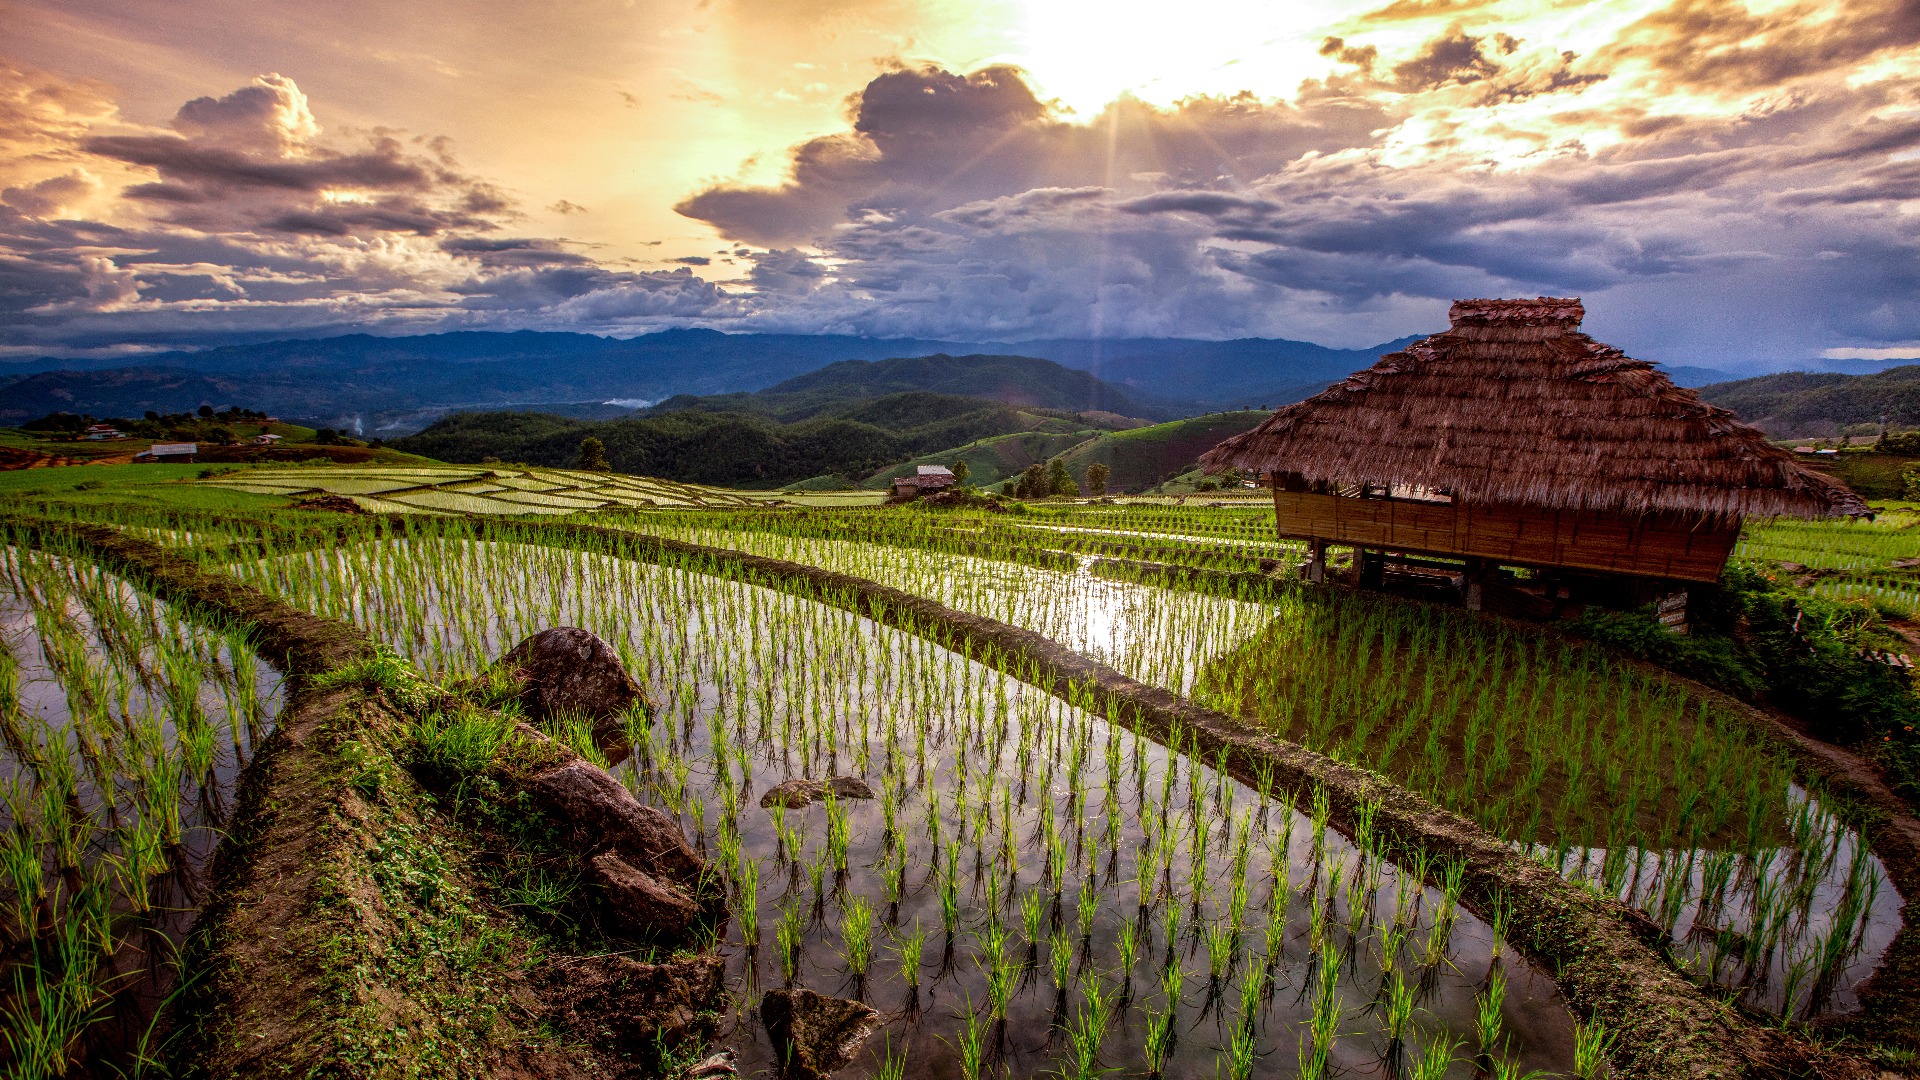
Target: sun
[1086, 53]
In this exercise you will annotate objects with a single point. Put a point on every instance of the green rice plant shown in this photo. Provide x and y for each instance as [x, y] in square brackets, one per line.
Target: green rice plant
[1242, 1045]
[746, 907]
[1435, 1059]
[856, 934]
[1221, 950]
[1487, 1021]
[1159, 1039]
[1033, 914]
[790, 937]
[909, 947]
[1085, 1035]
[1399, 1010]
[970, 1046]
[1060, 956]
[893, 1066]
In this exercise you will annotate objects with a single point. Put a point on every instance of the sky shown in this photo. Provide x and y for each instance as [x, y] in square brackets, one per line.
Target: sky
[1722, 181]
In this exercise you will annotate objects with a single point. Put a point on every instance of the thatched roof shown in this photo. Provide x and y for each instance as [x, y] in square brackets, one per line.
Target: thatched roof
[1512, 404]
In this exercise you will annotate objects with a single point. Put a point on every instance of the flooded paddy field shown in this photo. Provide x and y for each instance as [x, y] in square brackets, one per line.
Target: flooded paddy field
[1648, 791]
[1032, 887]
[124, 731]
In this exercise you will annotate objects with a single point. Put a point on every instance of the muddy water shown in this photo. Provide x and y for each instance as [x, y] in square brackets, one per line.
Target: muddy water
[134, 719]
[757, 687]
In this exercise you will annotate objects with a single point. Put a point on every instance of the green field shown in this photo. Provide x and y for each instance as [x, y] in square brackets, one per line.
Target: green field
[1032, 846]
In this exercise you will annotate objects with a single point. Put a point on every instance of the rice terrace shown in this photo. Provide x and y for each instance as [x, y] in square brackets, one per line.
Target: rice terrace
[1508, 754]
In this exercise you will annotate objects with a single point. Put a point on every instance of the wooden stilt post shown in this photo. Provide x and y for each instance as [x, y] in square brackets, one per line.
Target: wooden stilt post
[1475, 576]
[1316, 561]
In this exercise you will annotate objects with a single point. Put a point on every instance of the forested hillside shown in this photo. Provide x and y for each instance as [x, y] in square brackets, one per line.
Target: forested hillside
[1810, 403]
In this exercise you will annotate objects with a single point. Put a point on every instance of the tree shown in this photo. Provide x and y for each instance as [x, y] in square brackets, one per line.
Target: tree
[221, 434]
[1097, 474]
[1059, 480]
[206, 412]
[1033, 482]
[961, 472]
[593, 456]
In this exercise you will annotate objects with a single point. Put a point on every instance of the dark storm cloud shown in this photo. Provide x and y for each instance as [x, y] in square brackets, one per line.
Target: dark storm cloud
[924, 140]
[1242, 217]
[253, 159]
[248, 219]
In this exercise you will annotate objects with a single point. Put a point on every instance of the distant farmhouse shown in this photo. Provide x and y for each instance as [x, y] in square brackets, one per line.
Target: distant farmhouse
[1513, 442]
[97, 432]
[175, 452]
[926, 480]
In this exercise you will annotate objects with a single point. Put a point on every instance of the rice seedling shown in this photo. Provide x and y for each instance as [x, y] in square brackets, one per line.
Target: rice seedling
[856, 934]
[908, 948]
[1488, 1024]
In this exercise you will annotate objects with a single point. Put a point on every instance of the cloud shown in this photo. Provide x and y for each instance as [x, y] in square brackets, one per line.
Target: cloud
[1721, 182]
[244, 217]
[1727, 46]
[1237, 216]
[51, 197]
[925, 139]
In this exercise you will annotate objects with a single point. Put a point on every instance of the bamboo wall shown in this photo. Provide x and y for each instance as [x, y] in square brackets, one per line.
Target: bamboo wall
[1659, 546]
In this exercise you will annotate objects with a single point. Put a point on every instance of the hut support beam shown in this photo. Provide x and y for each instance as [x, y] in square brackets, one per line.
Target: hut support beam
[1316, 561]
[1473, 584]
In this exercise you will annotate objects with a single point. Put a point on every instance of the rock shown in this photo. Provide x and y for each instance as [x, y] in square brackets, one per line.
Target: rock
[606, 815]
[639, 900]
[815, 1036]
[569, 670]
[622, 1004]
[798, 792]
[720, 1064]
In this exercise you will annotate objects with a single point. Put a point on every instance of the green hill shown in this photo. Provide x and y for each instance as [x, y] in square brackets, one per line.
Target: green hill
[1145, 457]
[1814, 403]
[991, 460]
[1019, 381]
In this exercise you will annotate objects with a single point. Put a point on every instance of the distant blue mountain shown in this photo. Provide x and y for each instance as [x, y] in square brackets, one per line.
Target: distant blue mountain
[399, 384]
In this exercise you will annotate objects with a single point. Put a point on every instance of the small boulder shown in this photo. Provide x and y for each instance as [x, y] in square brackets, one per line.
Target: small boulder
[815, 1036]
[639, 900]
[569, 670]
[720, 1064]
[798, 792]
[606, 815]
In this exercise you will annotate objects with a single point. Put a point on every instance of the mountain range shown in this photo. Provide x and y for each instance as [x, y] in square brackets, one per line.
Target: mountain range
[393, 385]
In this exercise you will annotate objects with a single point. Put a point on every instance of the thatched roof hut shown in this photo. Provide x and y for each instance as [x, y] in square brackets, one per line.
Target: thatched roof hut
[1512, 408]
[1512, 404]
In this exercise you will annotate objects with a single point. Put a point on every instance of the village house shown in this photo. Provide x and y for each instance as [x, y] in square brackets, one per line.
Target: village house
[97, 432]
[926, 480]
[1514, 455]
